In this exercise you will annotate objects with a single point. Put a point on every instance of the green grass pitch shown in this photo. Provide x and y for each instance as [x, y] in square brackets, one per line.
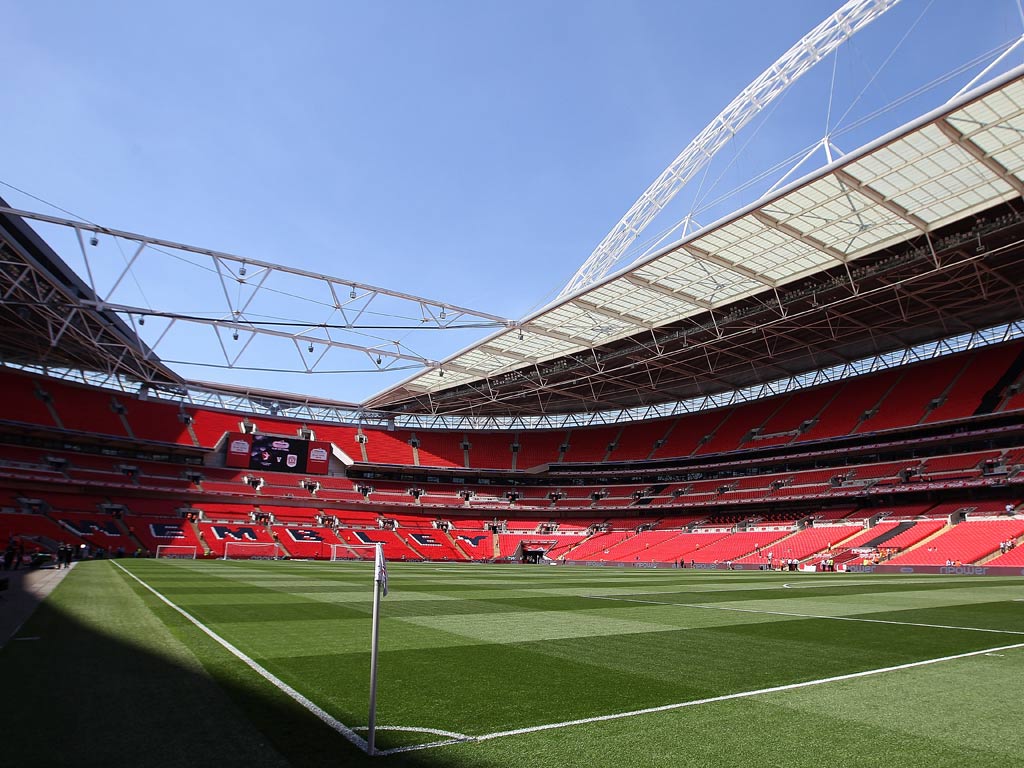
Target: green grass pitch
[519, 665]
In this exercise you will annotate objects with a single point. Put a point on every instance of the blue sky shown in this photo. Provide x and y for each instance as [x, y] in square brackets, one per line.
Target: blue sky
[474, 152]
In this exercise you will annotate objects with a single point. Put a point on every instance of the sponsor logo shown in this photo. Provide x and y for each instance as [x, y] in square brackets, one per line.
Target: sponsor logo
[242, 533]
[860, 568]
[906, 569]
[87, 527]
[425, 539]
[318, 454]
[963, 570]
[166, 531]
[706, 566]
[365, 538]
[239, 446]
[280, 445]
[304, 534]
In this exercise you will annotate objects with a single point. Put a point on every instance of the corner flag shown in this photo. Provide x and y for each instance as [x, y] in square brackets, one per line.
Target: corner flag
[380, 587]
[382, 571]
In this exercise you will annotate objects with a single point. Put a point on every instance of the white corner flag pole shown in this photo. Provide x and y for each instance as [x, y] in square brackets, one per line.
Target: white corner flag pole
[380, 583]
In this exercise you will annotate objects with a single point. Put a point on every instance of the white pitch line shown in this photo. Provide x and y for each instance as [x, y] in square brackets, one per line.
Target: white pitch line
[743, 694]
[696, 702]
[277, 682]
[452, 738]
[412, 729]
[804, 615]
[417, 747]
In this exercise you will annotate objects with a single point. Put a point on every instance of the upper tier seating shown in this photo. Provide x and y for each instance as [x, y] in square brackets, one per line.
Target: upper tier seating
[490, 450]
[440, 449]
[636, 441]
[976, 378]
[536, 448]
[952, 387]
[590, 445]
[846, 410]
[907, 403]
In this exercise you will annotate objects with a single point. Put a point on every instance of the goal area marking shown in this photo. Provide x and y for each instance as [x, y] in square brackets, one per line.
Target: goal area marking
[253, 550]
[352, 553]
[176, 552]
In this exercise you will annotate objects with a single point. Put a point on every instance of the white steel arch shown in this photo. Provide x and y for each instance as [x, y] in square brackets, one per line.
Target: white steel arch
[768, 86]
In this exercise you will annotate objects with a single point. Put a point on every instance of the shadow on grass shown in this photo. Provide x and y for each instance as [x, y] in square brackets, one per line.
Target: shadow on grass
[90, 681]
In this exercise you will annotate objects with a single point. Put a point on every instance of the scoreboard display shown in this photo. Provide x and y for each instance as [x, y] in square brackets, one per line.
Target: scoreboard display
[274, 453]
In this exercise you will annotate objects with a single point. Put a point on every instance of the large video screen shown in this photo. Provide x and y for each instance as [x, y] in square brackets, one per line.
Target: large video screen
[274, 453]
[279, 454]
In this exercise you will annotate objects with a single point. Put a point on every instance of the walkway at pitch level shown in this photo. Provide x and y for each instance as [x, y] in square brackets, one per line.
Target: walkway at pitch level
[26, 589]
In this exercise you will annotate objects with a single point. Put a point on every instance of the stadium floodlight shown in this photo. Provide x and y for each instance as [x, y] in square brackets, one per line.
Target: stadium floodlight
[175, 552]
[254, 550]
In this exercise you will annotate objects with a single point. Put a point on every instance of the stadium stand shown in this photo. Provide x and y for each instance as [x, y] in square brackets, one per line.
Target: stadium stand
[965, 543]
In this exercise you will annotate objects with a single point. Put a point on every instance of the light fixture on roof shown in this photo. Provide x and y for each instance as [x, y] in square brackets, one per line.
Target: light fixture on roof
[440, 371]
[352, 293]
[241, 270]
[442, 315]
[311, 346]
[94, 240]
[520, 334]
[378, 359]
[234, 334]
[142, 319]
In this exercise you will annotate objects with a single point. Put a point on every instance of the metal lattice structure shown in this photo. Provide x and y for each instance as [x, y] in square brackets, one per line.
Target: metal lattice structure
[876, 252]
[331, 307]
[813, 48]
[907, 248]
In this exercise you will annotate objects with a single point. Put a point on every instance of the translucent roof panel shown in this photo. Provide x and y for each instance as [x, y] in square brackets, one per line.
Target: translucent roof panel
[581, 323]
[647, 306]
[755, 245]
[838, 217]
[943, 169]
[927, 175]
[705, 281]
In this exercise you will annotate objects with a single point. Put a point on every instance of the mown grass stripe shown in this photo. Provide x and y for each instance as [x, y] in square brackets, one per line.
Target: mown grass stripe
[277, 682]
[740, 695]
[859, 619]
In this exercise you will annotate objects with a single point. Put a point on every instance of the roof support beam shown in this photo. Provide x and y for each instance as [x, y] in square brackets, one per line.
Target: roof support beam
[772, 223]
[952, 133]
[647, 285]
[739, 269]
[881, 200]
[611, 315]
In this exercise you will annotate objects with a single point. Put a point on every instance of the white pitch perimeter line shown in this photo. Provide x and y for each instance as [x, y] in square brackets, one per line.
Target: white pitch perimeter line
[743, 695]
[277, 682]
[804, 615]
[452, 738]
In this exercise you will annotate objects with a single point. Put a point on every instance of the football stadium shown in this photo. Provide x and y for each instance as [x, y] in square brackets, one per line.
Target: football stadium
[749, 491]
